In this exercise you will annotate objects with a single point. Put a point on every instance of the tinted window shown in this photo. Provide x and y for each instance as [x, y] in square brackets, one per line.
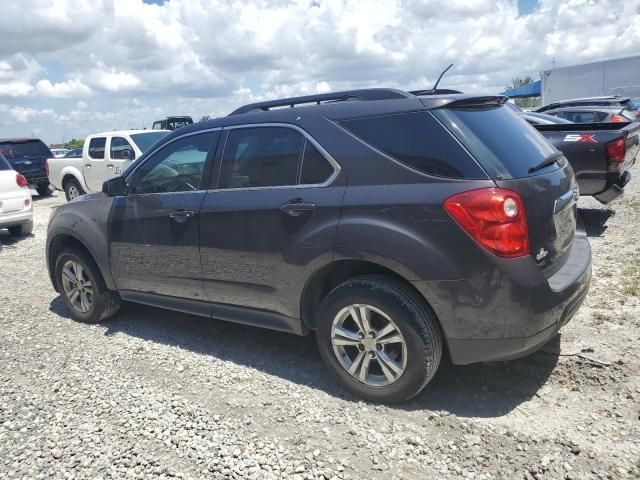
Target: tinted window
[418, 140]
[315, 168]
[505, 144]
[177, 167]
[146, 140]
[24, 148]
[96, 148]
[121, 149]
[157, 125]
[580, 117]
[4, 164]
[261, 157]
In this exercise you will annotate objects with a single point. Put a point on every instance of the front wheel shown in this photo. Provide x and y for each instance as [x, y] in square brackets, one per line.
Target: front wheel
[72, 189]
[82, 287]
[379, 339]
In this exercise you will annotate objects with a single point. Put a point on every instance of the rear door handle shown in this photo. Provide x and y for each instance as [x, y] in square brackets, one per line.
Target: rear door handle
[181, 215]
[297, 207]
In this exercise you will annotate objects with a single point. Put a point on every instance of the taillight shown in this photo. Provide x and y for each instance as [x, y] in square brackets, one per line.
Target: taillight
[494, 217]
[21, 181]
[46, 167]
[618, 118]
[616, 150]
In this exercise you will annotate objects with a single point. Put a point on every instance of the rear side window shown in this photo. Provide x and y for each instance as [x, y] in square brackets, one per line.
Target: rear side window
[315, 168]
[417, 140]
[4, 165]
[261, 157]
[505, 144]
[24, 148]
[96, 148]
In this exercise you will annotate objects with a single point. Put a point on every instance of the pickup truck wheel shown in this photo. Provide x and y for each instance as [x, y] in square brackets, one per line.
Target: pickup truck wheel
[82, 287]
[43, 189]
[379, 339]
[21, 230]
[72, 189]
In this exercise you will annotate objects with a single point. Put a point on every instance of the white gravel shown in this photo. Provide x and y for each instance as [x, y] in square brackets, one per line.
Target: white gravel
[156, 394]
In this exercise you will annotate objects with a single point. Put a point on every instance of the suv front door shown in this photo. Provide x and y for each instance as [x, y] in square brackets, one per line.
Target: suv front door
[270, 219]
[153, 230]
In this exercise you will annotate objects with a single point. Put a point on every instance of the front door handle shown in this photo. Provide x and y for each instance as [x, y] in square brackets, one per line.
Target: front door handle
[181, 215]
[297, 207]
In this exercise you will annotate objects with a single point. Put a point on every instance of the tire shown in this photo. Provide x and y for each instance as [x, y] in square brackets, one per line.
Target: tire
[104, 302]
[417, 324]
[72, 189]
[21, 230]
[43, 189]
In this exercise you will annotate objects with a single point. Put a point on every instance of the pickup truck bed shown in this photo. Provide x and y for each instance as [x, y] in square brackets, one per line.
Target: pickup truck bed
[600, 154]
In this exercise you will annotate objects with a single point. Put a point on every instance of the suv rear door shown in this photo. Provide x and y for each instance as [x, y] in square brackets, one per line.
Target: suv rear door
[269, 219]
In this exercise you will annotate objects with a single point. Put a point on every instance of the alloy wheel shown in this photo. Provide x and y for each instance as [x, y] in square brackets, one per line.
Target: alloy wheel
[77, 286]
[369, 345]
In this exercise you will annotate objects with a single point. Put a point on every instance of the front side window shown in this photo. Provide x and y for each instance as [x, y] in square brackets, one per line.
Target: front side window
[121, 149]
[261, 157]
[177, 167]
[96, 148]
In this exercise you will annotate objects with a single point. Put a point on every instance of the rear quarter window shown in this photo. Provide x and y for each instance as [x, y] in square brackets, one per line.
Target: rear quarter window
[418, 140]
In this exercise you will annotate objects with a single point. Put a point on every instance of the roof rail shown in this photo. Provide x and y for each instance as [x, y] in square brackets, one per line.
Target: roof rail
[363, 94]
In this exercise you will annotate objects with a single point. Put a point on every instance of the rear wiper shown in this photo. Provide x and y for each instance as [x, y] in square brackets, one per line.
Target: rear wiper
[550, 160]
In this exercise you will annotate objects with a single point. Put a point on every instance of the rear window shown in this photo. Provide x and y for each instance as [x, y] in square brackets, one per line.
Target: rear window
[24, 148]
[145, 140]
[505, 144]
[417, 140]
[4, 165]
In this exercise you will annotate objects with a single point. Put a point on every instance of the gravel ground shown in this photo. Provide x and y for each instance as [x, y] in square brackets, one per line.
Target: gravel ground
[157, 394]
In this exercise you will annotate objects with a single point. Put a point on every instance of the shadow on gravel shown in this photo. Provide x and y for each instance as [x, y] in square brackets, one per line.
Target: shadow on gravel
[482, 390]
[6, 240]
[594, 220]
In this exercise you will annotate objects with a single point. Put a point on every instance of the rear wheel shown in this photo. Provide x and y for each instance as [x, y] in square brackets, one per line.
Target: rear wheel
[82, 287]
[379, 339]
[43, 189]
[72, 189]
[21, 230]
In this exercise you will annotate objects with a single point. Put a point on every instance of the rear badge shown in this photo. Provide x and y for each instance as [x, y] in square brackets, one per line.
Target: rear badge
[541, 254]
[581, 137]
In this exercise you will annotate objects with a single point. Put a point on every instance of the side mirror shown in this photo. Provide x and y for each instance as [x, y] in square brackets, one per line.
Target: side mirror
[115, 187]
[128, 154]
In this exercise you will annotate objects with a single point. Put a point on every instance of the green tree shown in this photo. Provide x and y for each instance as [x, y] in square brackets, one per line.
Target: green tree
[75, 143]
[531, 102]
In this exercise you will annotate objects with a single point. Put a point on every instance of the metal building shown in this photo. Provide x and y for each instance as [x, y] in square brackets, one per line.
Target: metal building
[620, 76]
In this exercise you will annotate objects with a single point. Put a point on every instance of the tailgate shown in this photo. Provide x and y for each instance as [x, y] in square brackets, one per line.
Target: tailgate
[30, 167]
[518, 158]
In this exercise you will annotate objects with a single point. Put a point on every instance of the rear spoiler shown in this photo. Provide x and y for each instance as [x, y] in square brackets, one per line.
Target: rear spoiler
[483, 101]
[587, 127]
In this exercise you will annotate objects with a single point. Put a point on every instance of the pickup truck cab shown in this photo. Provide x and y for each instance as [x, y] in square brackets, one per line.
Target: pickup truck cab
[104, 155]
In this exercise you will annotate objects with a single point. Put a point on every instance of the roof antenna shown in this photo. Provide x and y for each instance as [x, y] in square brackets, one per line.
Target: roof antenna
[435, 87]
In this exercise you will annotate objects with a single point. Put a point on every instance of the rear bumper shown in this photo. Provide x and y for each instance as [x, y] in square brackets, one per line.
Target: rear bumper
[35, 181]
[513, 310]
[16, 218]
[614, 189]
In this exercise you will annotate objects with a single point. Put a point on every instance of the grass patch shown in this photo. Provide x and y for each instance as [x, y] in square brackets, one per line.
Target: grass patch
[631, 276]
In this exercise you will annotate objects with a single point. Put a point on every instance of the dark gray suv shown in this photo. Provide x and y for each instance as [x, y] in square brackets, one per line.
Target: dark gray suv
[397, 228]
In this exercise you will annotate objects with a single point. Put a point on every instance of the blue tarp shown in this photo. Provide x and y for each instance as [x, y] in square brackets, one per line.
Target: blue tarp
[526, 91]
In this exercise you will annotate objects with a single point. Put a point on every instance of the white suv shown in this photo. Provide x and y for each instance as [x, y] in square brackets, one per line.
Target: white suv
[16, 208]
[104, 155]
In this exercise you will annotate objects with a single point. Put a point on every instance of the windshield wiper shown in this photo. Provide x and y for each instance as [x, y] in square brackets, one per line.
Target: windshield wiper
[550, 160]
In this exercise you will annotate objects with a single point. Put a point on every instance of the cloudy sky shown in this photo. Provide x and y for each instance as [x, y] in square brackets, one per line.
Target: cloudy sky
[73, 67]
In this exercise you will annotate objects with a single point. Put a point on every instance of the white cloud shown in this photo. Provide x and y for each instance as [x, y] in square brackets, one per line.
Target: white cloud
[209, 56]
[68, 88]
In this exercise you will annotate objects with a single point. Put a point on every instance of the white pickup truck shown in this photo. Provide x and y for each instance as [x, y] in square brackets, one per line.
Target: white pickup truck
[104, 155]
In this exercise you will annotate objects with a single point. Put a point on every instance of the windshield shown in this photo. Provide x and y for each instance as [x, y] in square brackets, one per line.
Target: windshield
[145, 140]
[24, 148]
[504, 144]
